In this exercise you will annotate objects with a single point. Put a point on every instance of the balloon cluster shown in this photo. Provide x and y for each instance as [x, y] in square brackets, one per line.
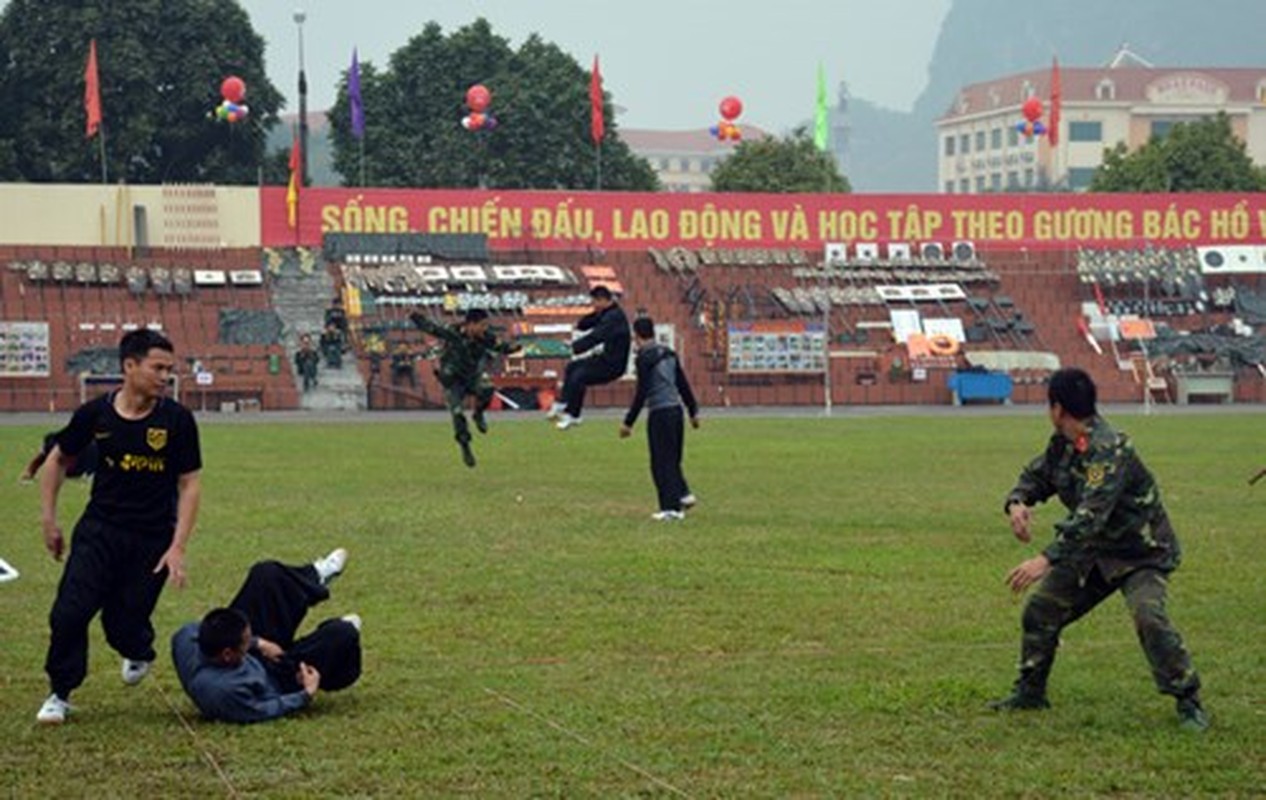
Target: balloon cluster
[478, 98]
[1032, 125]
[726, 130]
[231, 108]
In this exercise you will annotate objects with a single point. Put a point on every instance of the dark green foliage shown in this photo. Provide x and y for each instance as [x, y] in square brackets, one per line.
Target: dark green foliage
[160, 63]
[540, 97]
[1202, 156]
[775, 165]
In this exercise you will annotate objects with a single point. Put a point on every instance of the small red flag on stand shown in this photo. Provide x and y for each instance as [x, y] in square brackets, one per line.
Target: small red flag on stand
[597, 126]
[92, 92]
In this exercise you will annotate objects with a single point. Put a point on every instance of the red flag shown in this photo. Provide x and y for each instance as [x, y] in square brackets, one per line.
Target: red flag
[597, 126]
[296, 180]
[1057, 100]
[92, 92]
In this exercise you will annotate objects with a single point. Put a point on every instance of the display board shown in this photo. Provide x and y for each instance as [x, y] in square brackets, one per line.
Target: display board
[24, 350]
[782, 346]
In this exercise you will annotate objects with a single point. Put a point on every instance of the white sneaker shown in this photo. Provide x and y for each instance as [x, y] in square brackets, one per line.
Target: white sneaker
[331, 566]
[555, 410]
[566, 421]
[667, 516]
[135, 671]
[689, 501]
[53, 712]
[354, 619]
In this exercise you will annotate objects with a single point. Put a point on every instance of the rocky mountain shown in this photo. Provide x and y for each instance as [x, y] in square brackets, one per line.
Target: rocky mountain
[985, 39]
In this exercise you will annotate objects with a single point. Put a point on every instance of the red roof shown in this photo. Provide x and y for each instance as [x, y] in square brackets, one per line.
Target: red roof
[1131, 84]
[669, 142]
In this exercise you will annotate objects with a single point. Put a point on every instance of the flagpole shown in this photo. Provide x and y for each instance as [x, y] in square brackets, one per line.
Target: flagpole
[101, 147]
[362, 161]
[598, 166]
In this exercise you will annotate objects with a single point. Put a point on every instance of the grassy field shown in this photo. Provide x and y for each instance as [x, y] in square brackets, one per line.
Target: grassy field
[828, 623]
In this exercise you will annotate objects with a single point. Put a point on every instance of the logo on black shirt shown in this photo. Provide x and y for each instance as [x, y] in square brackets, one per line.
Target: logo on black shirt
[156, 438]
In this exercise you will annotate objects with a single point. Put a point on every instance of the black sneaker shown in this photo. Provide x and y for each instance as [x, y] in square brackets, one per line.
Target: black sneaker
[481, 423]
[1191, 715]
[1020, 701]
[467, 455]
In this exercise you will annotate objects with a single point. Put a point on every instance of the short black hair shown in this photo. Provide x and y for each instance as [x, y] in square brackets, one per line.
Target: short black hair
[600, 292]
[644, 328]
[476, 315]
[221, 628]
[137, 344]
[1075, 392]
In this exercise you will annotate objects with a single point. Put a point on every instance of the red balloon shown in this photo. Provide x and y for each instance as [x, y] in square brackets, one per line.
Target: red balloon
[1032, 109]
[233, 89]
[478, 98]
[731, 107]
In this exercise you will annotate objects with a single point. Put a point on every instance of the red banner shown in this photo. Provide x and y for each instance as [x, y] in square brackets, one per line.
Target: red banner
[633, 221]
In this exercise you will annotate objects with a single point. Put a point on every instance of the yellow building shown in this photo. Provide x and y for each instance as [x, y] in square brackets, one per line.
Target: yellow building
[1127, 101]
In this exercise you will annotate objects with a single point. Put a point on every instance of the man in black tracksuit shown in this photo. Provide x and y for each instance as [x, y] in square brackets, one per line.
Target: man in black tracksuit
[608, 328]
[131, 538]
[662, 387]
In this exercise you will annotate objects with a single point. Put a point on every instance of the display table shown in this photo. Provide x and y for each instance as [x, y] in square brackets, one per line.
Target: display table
[1215, 384]
[965, 386]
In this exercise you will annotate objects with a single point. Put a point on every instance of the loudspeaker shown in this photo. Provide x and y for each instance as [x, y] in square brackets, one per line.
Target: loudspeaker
[836, 254]
[964, 251]
[932, 251]
[898, 251]
[867, 251]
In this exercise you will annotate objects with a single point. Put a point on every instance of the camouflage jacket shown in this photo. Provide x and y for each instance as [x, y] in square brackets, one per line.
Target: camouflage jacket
[1116, 520]
[462, 358]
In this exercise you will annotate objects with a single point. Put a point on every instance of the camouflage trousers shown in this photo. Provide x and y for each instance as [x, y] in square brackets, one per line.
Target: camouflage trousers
[1064, 596]
[455, 399]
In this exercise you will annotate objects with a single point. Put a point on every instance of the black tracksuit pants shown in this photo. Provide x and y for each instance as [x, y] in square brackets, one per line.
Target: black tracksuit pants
[665, 432]
[110, 570]
[580, 375]
[275, 598]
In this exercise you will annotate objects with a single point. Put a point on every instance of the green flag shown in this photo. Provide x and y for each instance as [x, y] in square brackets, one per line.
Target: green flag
[821, 130]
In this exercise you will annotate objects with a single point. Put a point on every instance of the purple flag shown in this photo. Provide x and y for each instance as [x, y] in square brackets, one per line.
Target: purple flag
[353, 96]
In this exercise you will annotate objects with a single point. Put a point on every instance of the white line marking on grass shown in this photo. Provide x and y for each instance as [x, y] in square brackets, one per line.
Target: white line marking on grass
[586, 742]
[197, 742]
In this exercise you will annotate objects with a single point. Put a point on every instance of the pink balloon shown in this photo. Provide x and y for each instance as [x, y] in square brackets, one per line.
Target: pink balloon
[731, 107]
[478, 98]
[233, 89]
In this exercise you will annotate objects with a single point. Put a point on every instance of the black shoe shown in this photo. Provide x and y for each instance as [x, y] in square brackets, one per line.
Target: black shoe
[481, 424]
[1020, 701]
[1191, 715]
[467, 455]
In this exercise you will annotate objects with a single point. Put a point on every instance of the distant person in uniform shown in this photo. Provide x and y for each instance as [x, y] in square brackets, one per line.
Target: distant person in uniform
[1116, 537]
[306, 361]
[244, 663]
[141, 512]
[602, 356]
[465, 357]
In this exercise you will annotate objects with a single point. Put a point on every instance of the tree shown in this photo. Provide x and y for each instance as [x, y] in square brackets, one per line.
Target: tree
[160, 64]
[540, 97]
[791, 164]
[1202, 156]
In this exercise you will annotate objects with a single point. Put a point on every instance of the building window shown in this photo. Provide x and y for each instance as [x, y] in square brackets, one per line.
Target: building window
[949, 145]
[964, 186]
[1106, 90]
[1013, 137]
[1028, 178]
[980, 141]
[1085, 131]
[1161, 128]
[964, 144]
[1079, 178]
[995, 182]
[1013, 180]
[949, 187]
[980, 184]
[995, 139]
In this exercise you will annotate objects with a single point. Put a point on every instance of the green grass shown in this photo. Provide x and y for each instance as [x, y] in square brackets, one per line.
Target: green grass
[828, 623]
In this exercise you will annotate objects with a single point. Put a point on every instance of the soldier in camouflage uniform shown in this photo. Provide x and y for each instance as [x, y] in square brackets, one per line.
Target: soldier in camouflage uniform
[463, 369]
[1116, 537]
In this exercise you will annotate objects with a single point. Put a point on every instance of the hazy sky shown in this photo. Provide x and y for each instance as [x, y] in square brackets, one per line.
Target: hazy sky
[666, 62]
